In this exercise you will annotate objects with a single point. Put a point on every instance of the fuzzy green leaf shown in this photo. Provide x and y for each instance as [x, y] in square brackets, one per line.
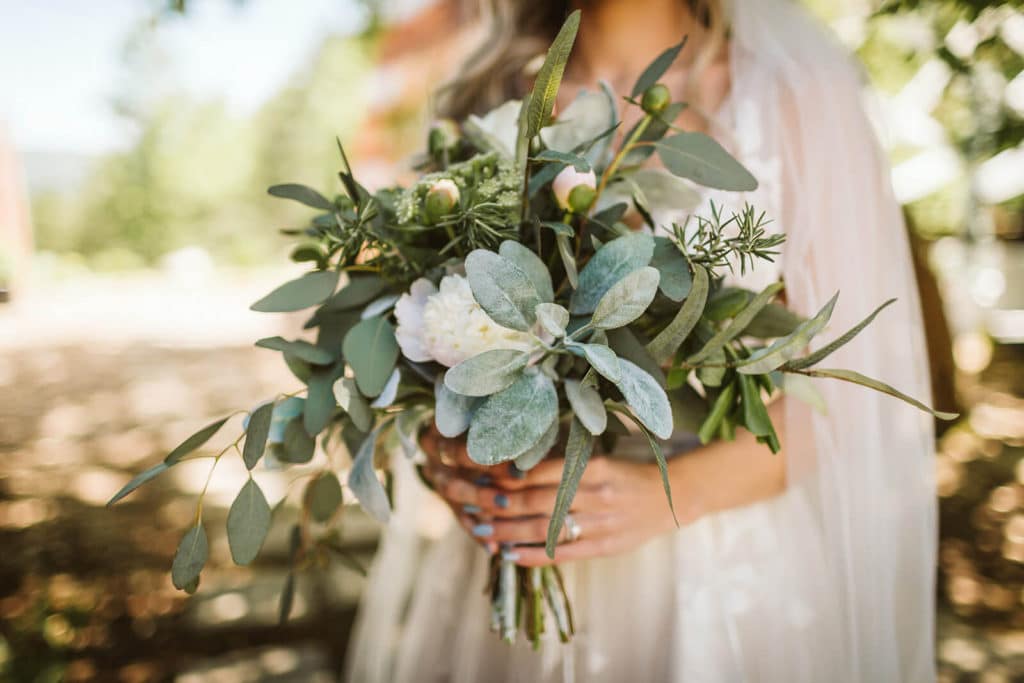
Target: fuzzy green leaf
[587, 405]
[553, 318]
[528, 460]
[452, 411]
[531, 265]
[675, 279]
[486, 373]
[512, 421]
[600, 357]
[663, 346]
[578, 448]
[503, 289]
[612, 262]
[627, 299]
[646, 398]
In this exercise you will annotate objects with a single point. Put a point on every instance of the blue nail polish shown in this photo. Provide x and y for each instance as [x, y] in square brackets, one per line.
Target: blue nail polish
[515, 471]
[483, 530]
[501, 500]
[471, 509]
[483, 480]
[509, 555]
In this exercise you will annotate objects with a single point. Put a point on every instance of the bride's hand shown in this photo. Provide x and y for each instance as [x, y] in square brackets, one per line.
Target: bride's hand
[619, 505]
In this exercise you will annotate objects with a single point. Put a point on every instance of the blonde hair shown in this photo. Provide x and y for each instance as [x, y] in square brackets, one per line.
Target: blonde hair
[518, 31]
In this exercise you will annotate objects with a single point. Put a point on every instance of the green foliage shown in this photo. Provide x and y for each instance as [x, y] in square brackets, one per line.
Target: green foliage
[248, 523]
[511, 421]
[486, 373]
[370, 348]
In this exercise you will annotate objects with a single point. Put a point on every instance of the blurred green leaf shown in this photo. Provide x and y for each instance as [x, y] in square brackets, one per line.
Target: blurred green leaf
[453, 411]
[194, 442]
[827, 350]
[302, 194]
[857, 378]
[363, 481]
[656, 69]
[300, 349]
[298, 445]
[549, 78]
[138, 481]
[323, 496]
[248, 523]
[256, 433]
[304, 292]
[190, 557]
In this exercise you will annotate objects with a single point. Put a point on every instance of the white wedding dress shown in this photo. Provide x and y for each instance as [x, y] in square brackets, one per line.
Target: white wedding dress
[831, 581]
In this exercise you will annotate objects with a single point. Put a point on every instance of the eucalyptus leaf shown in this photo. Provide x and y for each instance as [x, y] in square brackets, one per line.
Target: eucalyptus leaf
[320, 403]
[284, 412]
[553, 318]
[664, 346]
[256, 432]
[309, 290]
[531, 265]
[248, 523]
[657, 69]
[655, 189]
[601, 358]
[827, 350]
[698, 157]
[138, 480]
[646, 398]
[627, 299]
[372, 351]
[194, 442]
[513, 420]
[380, 306]
[298, 446]
[578, 447]
[190, 557]
[486, 373]
[528, 460]
[390, 392]
[675, 279]
[857, 378]
[503, 289]
[789, 347]
[453, 412]
[364, 484]
[346, 393]
[303, 194]
[610, 263]
[300, 349]
[549, 78]
[359, 290]
[737, 324]
[587, 405]
[323, 496]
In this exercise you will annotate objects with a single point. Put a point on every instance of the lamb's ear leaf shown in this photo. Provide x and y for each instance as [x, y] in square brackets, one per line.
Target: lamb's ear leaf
[587, 405]
[512, 421]
[531, 265]
[663, 346]
[627, 299]
[656, 69]
[578, 448]
[786, 348]
[857, 378]
[503, 289]
[553, 318]
[486, 373]
[827, 350]
[737, 324]
[646, 398]
[549, 78]
[453, 412]
[612, 262]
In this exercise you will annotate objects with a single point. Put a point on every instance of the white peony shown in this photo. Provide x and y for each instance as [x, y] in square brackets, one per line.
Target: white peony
[448, 326]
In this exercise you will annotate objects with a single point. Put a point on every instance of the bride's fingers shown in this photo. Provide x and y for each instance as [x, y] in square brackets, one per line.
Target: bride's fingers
[583, 549]
[547, 472]
[535, 529]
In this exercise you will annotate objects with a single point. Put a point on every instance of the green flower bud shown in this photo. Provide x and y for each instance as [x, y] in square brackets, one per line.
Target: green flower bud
[581, 197]
[656, 99]
[568, 181]
[443, 136]
[441, 200]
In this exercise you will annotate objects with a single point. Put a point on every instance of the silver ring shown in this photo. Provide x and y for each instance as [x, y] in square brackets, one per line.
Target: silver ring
[573, 530]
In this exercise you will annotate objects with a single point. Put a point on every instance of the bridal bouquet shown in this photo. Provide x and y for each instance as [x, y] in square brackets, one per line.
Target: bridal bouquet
[504, 297]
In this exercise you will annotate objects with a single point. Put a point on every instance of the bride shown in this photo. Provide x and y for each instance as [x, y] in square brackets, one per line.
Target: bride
[813, 565]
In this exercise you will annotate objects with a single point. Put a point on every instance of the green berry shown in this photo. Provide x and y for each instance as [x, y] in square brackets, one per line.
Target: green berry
[656, 99]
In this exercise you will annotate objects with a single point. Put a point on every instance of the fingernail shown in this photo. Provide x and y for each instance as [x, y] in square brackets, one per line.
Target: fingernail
[509, 555]
[515, 471]
[501, 500]
[471, 509]
[482, 530]
[483, 480]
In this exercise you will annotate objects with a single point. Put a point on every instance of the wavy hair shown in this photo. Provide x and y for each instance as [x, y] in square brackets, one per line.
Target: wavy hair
[516, 32]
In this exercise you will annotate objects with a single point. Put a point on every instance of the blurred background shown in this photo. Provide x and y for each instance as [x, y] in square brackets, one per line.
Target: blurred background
[136, 140]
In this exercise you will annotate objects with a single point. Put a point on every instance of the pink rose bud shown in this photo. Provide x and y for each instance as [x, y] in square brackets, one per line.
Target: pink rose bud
[442, 198]
[567, 181]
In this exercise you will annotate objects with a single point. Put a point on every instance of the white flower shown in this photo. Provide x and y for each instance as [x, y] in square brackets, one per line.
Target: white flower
[568, 180]
[448, 326]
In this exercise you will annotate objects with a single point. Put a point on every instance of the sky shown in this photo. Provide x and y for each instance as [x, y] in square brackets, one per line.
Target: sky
[61, 60]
